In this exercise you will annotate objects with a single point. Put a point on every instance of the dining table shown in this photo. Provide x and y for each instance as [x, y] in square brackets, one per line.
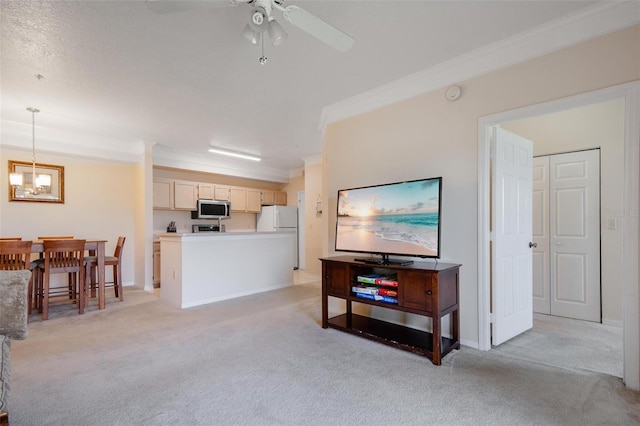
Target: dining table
[95, 247]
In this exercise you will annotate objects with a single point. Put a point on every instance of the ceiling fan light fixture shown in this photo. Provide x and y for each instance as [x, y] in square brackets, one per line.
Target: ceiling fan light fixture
[259, 20]
[250, 34]
[277, 34]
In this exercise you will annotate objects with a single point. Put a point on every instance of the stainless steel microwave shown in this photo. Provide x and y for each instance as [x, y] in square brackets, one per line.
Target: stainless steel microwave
[212, 209]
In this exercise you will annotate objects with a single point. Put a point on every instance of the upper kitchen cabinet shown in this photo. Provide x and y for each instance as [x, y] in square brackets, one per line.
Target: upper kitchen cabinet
[205, 191]
[273, 198]
[170, 194]
[281, 198]
[268, 197]
[238, 199]
[244, 200]
[185, 195]
[221, 193]
[253, 201]
[162, 193]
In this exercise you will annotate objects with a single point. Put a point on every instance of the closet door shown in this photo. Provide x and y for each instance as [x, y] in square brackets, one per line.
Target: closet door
[540, 231]
[575, 235]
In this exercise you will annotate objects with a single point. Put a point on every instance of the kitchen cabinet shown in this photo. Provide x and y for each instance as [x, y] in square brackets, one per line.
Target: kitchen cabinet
[268, 198]
[185, 195]
[253, 201]
[273, 198]
[172, 194]
[162, 194]
[281, 198]
[221, 193]
[205, 191]
[245, 200]
[238, 199]
[156, 264]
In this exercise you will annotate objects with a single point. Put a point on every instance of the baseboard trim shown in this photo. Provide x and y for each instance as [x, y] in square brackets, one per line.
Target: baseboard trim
[613, 323]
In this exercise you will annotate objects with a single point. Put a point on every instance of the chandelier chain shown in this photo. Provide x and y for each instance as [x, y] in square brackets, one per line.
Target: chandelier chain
[33, 138]
[33, 148]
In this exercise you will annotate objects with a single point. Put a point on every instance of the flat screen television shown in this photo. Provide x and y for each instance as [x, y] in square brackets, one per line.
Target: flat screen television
[399, 219]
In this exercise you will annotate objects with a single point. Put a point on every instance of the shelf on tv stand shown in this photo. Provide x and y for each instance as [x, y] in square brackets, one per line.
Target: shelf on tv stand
[423, 289]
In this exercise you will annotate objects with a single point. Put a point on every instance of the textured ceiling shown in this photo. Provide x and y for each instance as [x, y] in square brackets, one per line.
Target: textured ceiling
[117, 73]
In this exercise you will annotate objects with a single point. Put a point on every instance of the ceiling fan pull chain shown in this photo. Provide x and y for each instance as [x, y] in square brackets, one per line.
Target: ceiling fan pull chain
[263, 59]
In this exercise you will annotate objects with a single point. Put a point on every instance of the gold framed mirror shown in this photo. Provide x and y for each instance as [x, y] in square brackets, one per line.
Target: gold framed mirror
[44, 184]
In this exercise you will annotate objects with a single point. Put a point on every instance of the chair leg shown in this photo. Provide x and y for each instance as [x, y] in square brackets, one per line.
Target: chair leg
[37, 291]
[30, 293]
[94, 280]
[45, 296]
[81, 291]
[117, 282]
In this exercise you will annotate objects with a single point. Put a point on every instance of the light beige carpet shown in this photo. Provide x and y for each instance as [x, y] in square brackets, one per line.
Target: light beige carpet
[265, 360]
[569, 343]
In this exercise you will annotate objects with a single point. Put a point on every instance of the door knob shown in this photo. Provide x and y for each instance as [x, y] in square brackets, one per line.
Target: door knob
[533, 245]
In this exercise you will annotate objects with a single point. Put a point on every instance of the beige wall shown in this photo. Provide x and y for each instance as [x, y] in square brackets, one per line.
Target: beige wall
[99, 203]
[295, 185]
[595, 126]
[430, 136]
[315, 234]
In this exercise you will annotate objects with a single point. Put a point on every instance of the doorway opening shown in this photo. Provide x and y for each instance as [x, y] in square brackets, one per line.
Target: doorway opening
[629, 95]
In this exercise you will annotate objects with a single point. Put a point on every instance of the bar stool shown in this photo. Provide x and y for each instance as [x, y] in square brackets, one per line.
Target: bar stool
[91, 263]
[15, 254]
[62, 256]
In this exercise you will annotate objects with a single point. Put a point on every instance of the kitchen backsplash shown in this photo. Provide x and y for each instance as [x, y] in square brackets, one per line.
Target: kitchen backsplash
[238, 222]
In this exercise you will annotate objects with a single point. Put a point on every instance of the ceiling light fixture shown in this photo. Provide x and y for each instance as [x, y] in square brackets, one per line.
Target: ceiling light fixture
[277, 34]
[234, 154]
[37, 181]
[260, 22]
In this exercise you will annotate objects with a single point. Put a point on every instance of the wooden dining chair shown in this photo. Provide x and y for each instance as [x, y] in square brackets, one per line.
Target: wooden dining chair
[10, 238]
[37, 275]
[15, 255]
[91, 263]
[62, 256]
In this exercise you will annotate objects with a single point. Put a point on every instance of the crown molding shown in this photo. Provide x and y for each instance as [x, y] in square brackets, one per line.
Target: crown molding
[564, 32]
[297, 172]
[78, 145]
[312, 160]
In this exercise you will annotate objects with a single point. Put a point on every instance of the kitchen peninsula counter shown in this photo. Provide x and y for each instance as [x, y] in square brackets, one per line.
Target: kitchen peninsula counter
[201, 268]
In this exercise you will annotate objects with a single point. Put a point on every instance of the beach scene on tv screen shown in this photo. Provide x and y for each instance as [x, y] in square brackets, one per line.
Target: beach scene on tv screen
[400, 218]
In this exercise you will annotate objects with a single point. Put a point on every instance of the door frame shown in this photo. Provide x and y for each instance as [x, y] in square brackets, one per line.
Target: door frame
[302, 226]
[630, 92]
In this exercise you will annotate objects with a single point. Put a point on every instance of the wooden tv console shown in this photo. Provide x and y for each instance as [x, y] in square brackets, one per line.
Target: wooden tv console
[424, 288]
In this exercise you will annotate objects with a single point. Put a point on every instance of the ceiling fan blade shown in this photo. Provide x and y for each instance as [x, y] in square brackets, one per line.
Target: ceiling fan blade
[165, 7]
[318, 28]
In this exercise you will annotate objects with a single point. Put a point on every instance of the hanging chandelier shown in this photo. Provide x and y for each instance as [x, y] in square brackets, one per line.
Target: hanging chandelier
[38, 182]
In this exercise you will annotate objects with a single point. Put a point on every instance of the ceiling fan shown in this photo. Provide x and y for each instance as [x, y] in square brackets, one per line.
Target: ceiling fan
[262, 20]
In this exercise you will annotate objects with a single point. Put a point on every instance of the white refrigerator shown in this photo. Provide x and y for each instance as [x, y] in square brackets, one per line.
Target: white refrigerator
[280, 219]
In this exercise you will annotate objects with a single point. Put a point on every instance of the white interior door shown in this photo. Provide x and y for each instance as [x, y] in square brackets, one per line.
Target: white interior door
[540, 231]
[575, 235]
[512, 300]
